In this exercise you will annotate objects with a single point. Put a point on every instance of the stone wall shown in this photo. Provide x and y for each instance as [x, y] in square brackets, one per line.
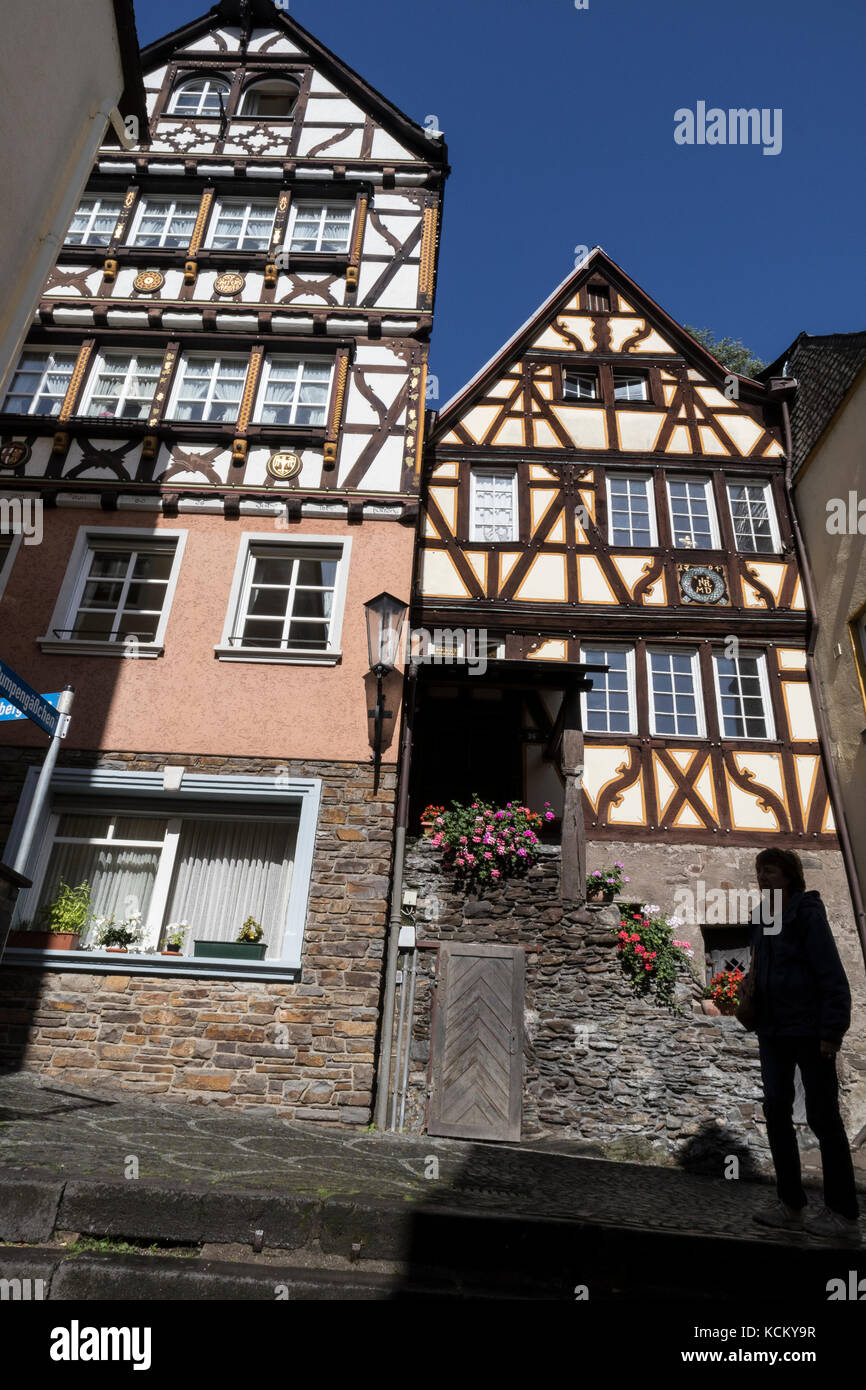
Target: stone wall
[304, 1050]
[628, 1078]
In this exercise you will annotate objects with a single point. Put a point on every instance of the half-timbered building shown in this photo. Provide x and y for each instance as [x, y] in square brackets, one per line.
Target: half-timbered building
[219, 414]
[604, 492]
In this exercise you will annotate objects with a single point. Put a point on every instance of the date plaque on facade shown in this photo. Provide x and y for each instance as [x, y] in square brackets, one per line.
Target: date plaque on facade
[146, 281]
[284, 465]
[703, 584]
[229, 283]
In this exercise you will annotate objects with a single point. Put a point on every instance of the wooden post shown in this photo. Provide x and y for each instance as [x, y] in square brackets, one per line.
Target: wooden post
[573, 864]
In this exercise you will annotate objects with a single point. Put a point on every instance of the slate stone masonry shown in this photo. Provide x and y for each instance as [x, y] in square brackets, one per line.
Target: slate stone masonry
[299, 1050]
[630, 1079]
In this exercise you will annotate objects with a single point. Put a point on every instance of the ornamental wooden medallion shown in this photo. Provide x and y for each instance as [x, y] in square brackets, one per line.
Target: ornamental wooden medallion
[146, 281]
[14, 454]
[702, 584]
[284, 465]
[229, 283]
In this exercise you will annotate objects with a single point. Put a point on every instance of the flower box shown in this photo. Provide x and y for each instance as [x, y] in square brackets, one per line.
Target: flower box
[233, 950]
[43, 940]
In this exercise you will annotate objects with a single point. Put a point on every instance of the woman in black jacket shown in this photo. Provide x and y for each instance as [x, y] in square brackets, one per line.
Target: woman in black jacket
[803, 1005]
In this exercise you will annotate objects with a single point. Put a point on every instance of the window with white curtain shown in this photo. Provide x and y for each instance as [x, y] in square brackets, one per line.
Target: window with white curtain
[208, 389]
[94, 221]
[493, 506]
[320, 227]
[40, 382]
[294, 392]
[243, 225]
[165, 222]
[208, 871]
[122, 385]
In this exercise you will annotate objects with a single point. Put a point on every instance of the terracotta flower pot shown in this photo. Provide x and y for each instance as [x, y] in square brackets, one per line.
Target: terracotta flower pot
[120, 949]
[44, 940]
[709, 1007]
[600, 895]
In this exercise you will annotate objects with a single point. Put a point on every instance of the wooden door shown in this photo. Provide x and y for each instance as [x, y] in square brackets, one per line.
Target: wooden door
[478, 1043]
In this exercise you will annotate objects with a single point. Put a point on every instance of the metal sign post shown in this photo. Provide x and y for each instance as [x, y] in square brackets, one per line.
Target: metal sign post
[55, 721]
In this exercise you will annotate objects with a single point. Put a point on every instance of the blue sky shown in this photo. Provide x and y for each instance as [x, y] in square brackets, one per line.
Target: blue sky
[560, 131]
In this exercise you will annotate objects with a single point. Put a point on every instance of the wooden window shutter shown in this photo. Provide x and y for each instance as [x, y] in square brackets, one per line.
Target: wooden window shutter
[338, 395]
[357, 242]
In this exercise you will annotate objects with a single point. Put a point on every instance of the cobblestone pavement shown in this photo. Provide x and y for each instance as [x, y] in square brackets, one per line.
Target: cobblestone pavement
[51, 1130]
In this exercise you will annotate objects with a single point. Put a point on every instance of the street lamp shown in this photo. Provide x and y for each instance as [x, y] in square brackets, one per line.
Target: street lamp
[385, 615]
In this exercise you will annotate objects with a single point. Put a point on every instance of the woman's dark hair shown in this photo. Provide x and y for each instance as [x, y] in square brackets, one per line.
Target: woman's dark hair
[789, 862]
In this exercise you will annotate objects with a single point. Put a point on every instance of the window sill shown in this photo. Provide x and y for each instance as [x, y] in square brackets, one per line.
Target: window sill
[113, 649]
[271, 657]
[146, 963]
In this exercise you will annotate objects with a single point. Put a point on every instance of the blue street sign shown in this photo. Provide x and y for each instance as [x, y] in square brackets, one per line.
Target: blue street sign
[19, 695]
[8, 711]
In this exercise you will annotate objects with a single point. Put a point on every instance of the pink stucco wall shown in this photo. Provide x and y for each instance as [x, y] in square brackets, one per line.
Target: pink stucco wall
[187, 700]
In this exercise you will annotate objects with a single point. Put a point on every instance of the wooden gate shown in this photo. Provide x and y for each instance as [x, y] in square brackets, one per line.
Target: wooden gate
[478, 1043]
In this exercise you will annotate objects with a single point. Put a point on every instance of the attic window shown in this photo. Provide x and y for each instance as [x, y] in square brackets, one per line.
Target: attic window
[200, 96]
[598, 299]
[273, 97]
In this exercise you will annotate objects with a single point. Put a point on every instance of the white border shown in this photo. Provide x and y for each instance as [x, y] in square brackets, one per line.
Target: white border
[694, 655]
[73, 582]
[487, 470]
[631, 679]
[267, 655]
[763, 678]
[771, 513]
[715, 537]
[636, 476]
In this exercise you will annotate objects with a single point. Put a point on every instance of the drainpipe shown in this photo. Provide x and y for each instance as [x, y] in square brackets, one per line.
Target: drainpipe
[815, 682]
[383, 1078]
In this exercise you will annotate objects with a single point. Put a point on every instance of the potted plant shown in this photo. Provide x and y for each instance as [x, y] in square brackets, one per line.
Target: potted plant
[112, 937]
[721, 994]
[175, 934]
[485, 844]
[64, 918]
[248, 944]
[602, 885]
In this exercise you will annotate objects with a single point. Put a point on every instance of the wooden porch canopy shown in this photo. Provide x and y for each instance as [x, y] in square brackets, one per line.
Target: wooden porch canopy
[566, 741]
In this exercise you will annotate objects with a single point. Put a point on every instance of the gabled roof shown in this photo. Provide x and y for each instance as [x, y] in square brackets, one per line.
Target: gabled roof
[596, 263]
[826, 368]
[247, 15]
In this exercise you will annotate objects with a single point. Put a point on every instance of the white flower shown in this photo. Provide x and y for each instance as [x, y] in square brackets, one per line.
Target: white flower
[649, 908]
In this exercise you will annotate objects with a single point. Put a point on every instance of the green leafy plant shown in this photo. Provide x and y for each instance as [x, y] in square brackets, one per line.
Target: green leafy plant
[729, 351]
[651, 955]
[250, 931]
[68, 910]
[109, 933]
[723, 989]
[485, 843]
[175, 934]
[607, 880]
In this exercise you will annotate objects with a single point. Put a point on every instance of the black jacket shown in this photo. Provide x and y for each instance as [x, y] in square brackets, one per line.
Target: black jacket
[801, 988]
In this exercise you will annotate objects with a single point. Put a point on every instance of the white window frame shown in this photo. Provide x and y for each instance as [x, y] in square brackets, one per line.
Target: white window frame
[766, 702]
[141, 213]
[212, 357]
[251, 541]
[246, 204]
[7, 562]
[765, 484]
[474, 526]
[629, 476]
[75, 578]
[267, 366]
[631, 687]
[134, 357]
[238, 793]
[98, 210]
[636, 372]
[209, 80]
[706, 483]
[589, 372]
[700, 713]
[323, 205]
[51, 353]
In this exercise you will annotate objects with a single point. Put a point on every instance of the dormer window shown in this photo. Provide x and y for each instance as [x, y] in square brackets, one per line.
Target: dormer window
[199, 96]
[273, 97]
